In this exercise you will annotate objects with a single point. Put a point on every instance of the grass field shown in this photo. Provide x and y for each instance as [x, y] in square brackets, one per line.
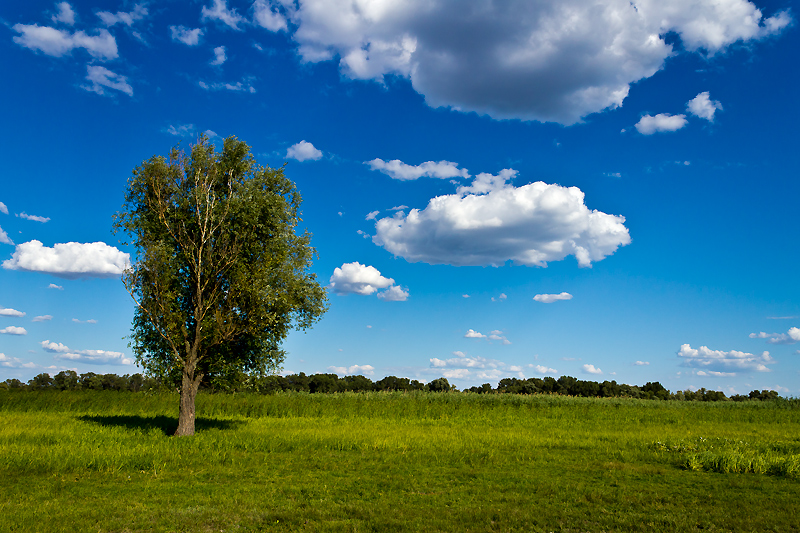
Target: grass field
[95, 461]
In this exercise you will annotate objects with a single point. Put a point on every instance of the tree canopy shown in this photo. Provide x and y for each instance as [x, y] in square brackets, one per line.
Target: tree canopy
[221, 274]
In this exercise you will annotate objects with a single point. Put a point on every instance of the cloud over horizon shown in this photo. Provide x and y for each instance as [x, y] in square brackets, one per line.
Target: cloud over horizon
[492, 222]
[69, 260]
[550, 61]
[355, 278]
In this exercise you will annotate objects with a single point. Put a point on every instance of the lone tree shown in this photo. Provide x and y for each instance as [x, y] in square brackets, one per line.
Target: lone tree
[221, 275]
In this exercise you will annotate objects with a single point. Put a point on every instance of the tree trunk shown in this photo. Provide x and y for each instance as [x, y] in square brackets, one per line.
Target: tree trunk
[189, 386]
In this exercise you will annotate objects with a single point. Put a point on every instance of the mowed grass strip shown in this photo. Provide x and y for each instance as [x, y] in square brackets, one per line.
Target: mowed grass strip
[75, 461]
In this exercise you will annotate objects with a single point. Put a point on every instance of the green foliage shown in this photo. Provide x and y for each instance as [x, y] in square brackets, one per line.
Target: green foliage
[221, 274]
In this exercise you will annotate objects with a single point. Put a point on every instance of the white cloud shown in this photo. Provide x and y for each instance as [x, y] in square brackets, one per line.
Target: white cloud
[539, 369]
[54, 286]
[303, 151]
[395, 293]
[720, 361]
[366, 370]
[102, 77]
[550, 298]
[11, 312]
[90, 321]
[715, 374]
[14, 362]
[57, 43]
[14, 330]
[69, 260]
[790, 337]
[189, 37]
[3, 208]
[500, 298]
[219, 56]
[529, 225]
[371, 215]
[42, 318]
[463, 366]
[591, 369]
[268, 16]
[92, 357]
[472, 334]
[641, 363]
[355, 278]
[35, 218]
[109, 19]
[552, 60]
[648, 125]
[465, 295]
[181, 130]
[702, 106]
[398, 170]
[65, 14]
[4, 238]
[240, 86]
[219, 11]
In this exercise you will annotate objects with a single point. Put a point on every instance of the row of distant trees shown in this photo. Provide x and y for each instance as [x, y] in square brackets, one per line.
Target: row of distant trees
[332, 383]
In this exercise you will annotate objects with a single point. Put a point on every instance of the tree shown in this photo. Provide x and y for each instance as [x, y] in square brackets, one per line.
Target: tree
[221, 275]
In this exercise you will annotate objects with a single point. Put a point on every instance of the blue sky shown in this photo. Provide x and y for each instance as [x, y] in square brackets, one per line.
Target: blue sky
[603, 189]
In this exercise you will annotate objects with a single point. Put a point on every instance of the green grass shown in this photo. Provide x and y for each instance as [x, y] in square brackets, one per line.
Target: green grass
[80, 461]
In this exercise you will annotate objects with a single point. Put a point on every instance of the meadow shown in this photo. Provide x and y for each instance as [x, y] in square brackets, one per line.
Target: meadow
[420, 461]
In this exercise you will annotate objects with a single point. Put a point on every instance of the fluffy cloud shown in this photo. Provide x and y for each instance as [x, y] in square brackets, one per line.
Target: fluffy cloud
[366, 370]
[648, 125]
[35, 218]
[109, 19]
[703, 106]
[219, 11]
[65, 14]
[92, 357]
[355, 278]
[641, 363]
[11, 312]
[43, 318]
[13, 362]
[268, 17]
[554, 60]
[591, 369]
[3, 208]
[719, 361]
[57, 43]
[54, 286]
[69, 260]
[529, 225]
[4, 238]
[395, 293]
[463, 366]
[790, 337]
[398, 170]
[103, 79]
[219, 56]
[472, 334]
[550, 298]
[503, 296]
[189, 37]
[14, 330]
[240, 86]
[303, 151]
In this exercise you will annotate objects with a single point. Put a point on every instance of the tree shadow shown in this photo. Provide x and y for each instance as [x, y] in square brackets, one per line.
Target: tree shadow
[167, 424]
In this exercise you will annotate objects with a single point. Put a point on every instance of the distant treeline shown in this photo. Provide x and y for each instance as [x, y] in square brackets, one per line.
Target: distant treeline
[332, 383]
